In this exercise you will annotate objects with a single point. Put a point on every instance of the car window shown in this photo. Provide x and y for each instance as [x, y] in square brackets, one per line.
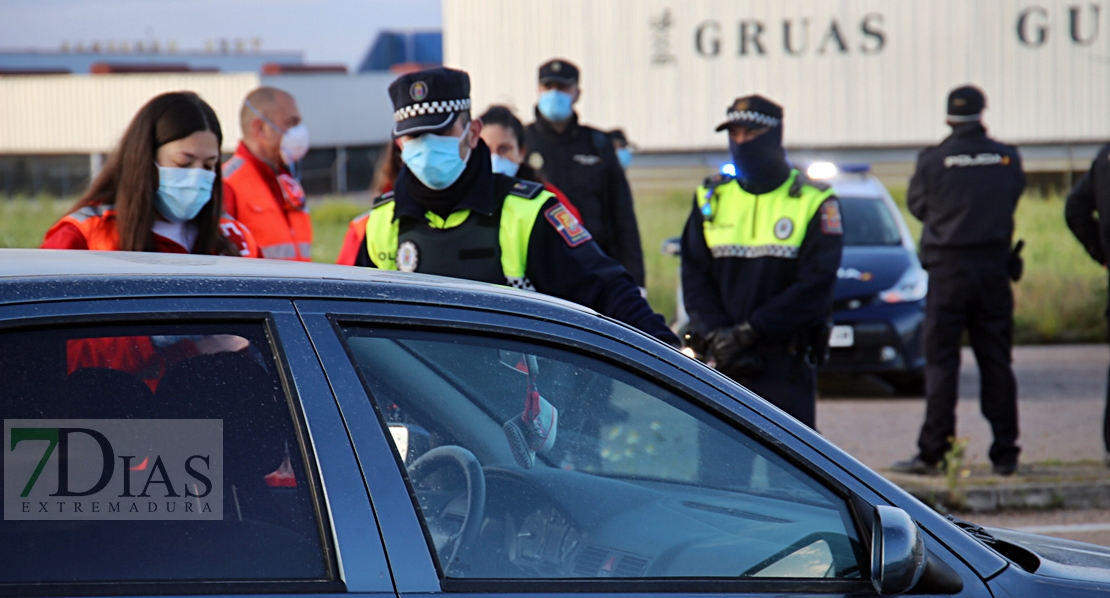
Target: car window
[868, 222]
[151, 453]
[529, 462]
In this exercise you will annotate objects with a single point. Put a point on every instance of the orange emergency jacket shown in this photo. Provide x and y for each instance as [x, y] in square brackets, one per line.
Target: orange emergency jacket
[271, 205]
[97, 224]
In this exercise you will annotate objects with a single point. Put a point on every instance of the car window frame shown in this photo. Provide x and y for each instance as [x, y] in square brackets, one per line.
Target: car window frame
[323, 316]
[162, 311]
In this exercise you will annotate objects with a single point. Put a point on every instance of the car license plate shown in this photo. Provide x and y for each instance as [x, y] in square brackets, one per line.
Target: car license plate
[842, 336]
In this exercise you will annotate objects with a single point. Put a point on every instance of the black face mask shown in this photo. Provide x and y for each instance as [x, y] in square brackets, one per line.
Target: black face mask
[761, 165]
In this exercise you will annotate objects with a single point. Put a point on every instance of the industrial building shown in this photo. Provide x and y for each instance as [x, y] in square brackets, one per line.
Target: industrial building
[860, 80]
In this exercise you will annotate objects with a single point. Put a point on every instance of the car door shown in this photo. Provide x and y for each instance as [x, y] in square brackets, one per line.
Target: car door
[176, 446]
[547, 459]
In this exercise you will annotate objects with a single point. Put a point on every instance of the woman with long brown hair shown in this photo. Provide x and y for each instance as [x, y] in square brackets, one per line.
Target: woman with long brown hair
[160, 190]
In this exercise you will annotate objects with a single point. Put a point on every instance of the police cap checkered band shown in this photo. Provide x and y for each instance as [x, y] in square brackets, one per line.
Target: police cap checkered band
[752, 111]
[431, 108]
[428, 101]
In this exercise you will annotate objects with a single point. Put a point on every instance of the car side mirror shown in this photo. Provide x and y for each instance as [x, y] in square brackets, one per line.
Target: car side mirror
[897, 551]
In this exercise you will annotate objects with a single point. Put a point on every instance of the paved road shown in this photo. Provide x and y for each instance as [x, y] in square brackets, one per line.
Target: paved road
[1061, 390]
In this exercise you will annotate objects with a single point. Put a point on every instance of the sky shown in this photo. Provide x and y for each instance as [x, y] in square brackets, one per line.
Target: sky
[327, 31]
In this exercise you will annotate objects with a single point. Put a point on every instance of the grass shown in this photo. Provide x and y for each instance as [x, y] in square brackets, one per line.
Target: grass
[1062, 297]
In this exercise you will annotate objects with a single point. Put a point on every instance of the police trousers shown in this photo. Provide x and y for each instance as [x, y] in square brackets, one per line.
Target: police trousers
[969, 291]
[788, 382]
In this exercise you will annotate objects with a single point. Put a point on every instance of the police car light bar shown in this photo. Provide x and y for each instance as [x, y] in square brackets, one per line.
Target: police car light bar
[821, 170]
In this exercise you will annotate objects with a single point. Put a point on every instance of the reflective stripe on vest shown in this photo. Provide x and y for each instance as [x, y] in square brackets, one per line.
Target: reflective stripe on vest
[518, 216]
[279, 251]
[743, 225]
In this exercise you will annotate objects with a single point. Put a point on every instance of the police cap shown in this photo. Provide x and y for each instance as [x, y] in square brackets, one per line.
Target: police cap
[753, 112]
[559, 71]
[965, 104]
[428, 101]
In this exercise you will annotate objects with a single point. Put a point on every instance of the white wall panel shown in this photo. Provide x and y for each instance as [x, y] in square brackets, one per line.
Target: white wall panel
[864, 95]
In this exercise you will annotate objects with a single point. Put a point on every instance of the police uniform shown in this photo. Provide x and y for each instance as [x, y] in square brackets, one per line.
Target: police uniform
[764, 264]
[498, 229]
[1087, 212]
[581, 161]
[965, 191]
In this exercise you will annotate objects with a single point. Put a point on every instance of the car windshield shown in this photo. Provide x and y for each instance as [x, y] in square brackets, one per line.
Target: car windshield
[868, 222]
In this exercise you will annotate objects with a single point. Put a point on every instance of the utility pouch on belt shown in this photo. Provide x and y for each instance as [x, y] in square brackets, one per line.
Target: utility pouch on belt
[1017, 265]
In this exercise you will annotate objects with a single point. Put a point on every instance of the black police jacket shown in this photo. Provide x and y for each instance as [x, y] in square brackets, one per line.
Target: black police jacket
[1091, 197]
[581, 162]
[572, 268]
[781, 297]
[965, 191]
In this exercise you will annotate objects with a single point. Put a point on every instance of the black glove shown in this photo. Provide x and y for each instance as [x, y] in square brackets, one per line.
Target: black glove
[1017, 265]
[727, 345]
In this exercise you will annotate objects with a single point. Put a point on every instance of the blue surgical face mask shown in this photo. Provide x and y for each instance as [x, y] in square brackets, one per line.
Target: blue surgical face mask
[503, 165]
[624, 155]
[555, 105]
[434, 159]
[183, 192]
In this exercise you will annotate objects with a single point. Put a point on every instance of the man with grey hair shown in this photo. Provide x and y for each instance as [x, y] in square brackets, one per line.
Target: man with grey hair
[260, 186]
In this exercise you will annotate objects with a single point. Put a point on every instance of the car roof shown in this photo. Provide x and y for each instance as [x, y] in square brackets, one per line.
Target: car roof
[854, 185]
[47, 274]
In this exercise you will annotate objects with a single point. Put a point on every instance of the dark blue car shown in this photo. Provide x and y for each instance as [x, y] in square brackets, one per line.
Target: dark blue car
[181, 425]
[879, 303]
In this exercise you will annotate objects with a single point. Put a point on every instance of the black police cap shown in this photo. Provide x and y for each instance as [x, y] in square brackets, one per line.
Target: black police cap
[558, 71]
[428, 101]
[753, 112]
[965, 104]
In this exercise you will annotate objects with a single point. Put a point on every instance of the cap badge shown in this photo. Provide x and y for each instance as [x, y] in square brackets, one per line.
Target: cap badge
[418, 91]
[959, 101]
[408, 257]
[556, 66]
[741, 105]
[535, 160]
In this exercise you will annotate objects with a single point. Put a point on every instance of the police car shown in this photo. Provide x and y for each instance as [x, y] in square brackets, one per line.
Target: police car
[879, 302]
[178, 424]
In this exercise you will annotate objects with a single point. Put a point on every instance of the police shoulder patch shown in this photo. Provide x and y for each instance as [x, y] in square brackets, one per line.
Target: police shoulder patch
[232, 165]
[526, 189]
[831, 223]
[382, 199]
[567, 225]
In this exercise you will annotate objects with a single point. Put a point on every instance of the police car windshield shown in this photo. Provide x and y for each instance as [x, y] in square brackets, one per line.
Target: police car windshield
[868, 222]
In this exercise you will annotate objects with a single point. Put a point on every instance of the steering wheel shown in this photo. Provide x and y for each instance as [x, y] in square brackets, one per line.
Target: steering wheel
[457, 456]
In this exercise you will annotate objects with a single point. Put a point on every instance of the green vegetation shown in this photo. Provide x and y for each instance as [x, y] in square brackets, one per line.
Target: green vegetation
[1061, 298]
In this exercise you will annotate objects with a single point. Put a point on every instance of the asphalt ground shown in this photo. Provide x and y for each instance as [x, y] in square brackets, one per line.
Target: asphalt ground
[1061, 395]
[1061, 399]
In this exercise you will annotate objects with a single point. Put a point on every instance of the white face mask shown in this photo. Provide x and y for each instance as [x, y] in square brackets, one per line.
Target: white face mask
[294, 144]
[294, 140]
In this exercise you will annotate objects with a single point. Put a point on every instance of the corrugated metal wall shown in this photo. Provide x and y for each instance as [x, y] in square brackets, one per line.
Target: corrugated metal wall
[78, 114]
[74, 114]
[858, 73]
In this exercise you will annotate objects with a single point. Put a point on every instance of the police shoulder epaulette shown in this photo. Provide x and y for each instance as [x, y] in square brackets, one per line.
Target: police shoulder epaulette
[712, 182]
[382, 199]
[526, 189]
[802, 180]
[232, 165]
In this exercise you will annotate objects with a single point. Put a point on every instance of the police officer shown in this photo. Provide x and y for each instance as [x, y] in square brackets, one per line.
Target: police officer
[965, 191]
[580, 160]
[759, 259]
[1088, 215]
[450, 214]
